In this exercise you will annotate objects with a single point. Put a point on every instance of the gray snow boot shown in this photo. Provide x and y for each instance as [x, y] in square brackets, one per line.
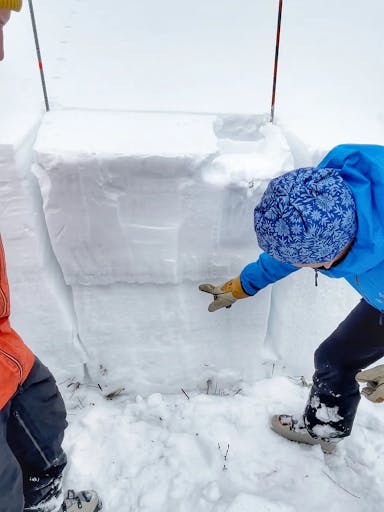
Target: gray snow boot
[83, 501]
[294, 429]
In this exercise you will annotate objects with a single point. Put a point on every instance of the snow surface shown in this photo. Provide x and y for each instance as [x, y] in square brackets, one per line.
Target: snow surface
[139, 185]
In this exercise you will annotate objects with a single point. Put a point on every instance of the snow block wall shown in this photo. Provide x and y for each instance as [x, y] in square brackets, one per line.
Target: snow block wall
[138, 220]
[36, 288]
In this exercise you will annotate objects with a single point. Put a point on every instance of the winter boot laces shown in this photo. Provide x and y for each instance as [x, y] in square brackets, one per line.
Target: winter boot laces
[294, 429]
[84, 501]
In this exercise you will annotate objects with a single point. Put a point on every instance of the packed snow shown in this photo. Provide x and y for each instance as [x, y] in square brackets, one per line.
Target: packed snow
[139, 185]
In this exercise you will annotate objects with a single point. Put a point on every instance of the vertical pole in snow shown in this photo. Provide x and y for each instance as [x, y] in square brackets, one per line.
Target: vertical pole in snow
[276, 59]
[40, 62]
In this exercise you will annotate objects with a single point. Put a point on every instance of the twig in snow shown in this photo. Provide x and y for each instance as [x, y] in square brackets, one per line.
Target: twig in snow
[114, 394]
[300, 381]
[209, 384]
[102, 370]
[224, 456]
[338, 485]
[185, 393]
[66, 380]
[75, 385]
[226, 453]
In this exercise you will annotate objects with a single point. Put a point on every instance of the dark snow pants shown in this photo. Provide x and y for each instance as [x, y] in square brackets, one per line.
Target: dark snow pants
[31, 432]
[356, 343]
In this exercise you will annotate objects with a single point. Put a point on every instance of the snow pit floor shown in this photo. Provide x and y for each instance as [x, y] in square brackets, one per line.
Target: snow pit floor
[215, 452]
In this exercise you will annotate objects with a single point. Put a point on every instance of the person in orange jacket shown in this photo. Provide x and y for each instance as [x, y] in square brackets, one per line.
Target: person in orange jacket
[32, 411]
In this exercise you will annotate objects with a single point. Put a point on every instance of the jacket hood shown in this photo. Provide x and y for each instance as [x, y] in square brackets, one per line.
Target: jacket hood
[362, 169]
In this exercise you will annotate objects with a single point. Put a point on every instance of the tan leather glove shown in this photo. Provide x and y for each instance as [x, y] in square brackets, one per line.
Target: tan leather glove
[374, 379]
[224, 295]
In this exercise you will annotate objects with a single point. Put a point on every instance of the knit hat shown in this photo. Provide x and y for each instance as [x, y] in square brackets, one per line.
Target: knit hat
[306, 216]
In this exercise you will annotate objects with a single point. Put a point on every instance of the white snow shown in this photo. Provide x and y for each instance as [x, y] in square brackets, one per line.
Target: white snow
[139, 185]
[215, 452]
[324, 413]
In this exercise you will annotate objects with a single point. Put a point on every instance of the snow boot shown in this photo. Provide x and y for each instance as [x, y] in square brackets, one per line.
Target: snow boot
[294, 429]
[83, 501]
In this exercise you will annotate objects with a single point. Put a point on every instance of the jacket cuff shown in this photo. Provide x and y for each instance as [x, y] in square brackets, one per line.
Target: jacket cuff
[237, 289]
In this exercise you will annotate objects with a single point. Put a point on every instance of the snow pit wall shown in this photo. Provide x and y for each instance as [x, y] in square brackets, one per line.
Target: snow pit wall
[137, 210]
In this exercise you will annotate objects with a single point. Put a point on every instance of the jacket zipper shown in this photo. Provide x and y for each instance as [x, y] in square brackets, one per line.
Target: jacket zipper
[31, 437]
[15, 361]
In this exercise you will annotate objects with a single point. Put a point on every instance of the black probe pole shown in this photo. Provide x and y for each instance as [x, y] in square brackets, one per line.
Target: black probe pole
[276, 60]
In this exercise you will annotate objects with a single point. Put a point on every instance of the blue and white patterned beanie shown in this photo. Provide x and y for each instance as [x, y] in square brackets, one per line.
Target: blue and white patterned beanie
[306, 216]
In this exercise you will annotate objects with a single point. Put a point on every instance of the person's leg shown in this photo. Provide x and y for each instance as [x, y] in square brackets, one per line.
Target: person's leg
[356, 343]
[11, 480]
[35, 433]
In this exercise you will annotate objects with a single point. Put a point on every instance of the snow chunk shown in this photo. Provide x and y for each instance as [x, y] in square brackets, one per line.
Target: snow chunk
[325, 431]
[211, 492]
[248, 163]
[324, 413]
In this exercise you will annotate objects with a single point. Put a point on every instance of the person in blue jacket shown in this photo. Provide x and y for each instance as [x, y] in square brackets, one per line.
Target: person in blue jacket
[329, 218]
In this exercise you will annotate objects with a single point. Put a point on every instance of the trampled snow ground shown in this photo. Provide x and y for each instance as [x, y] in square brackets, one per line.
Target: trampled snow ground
[213, 452]
[210, 451]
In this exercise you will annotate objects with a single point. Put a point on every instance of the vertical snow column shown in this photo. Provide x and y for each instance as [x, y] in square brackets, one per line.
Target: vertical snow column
[36, 311]
[135, 227]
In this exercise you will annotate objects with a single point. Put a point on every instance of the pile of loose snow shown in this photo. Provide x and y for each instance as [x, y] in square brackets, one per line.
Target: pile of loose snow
[214, 452]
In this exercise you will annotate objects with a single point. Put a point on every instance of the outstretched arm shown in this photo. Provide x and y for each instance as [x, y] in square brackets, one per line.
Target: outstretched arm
[254, 277]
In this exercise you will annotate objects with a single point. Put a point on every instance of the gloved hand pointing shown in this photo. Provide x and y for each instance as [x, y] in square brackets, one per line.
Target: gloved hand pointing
[224, 295]
[374, 389]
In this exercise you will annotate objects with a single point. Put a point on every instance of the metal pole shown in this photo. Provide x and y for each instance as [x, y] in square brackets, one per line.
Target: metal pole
[276, 60]
[40, 62]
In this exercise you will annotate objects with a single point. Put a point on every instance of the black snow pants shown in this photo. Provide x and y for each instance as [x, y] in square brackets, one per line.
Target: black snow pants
[31, 432]
[356, 343]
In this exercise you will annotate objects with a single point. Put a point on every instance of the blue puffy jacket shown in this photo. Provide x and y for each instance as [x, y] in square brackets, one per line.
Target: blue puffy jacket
[362, 169]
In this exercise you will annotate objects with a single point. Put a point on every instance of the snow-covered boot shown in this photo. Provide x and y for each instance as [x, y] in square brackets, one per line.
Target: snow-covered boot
[82, 501]
[294, 429]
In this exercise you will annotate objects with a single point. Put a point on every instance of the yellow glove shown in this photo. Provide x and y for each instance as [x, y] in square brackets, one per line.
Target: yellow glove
[224, 295]
[374, 389]
[12, 5]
